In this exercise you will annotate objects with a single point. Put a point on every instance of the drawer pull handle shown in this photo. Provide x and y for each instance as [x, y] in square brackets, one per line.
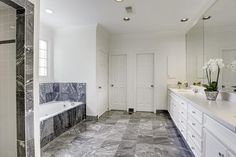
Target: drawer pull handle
[193, 124]
[193, 112]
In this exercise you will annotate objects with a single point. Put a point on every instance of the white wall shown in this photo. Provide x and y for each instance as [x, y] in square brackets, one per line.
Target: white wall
[8, 130]
[47, 34]
[163, 45]
[75, 60]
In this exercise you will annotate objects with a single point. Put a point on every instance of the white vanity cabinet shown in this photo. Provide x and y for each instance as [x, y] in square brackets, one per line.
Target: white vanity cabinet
[195, 130]
[178, 111]
[205, 136]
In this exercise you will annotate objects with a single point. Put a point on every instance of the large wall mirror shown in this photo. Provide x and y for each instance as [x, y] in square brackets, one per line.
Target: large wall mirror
[214, 36]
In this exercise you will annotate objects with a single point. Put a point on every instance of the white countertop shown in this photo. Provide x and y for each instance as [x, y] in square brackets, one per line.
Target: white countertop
[222, 111]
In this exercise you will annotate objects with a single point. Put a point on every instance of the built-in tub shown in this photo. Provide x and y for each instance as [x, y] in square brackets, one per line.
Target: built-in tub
[56, 117]
[50, 109]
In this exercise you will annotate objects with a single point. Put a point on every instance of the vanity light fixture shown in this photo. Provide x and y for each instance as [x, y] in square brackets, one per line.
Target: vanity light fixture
[119, 0]
[126, 19]
[206, 17]
[49, 11]
[184, 20]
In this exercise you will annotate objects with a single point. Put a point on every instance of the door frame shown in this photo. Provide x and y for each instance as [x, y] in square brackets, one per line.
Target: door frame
[109, 81]
[154, 107]
[101, 51]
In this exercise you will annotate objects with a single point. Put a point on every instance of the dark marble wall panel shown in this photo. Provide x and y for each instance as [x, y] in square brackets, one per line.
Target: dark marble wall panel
[75, 92]
[57, 125]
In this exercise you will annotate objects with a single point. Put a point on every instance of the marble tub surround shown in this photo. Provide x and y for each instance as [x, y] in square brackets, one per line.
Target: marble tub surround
[58, 124]
[75, 92]
[222, 111]
[118, 134]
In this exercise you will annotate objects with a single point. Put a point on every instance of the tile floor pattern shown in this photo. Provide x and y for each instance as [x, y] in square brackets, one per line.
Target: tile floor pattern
[118, 134]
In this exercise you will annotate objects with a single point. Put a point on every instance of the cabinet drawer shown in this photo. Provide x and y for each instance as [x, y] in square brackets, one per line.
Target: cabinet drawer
[195, 138]
[183, 104]
[195, 125]
[183, 112]
[183, 122]
[183, 131]
[193, 112]
[193, 147]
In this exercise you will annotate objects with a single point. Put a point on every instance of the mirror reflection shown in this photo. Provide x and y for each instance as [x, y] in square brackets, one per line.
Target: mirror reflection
[214, 36]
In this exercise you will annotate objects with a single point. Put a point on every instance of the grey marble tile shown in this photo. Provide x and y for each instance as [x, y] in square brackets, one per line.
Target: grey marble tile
[62, 92]
[118, 134]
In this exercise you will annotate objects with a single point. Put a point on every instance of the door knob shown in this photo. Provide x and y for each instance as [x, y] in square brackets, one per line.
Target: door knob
[112, 85]
[152, 86]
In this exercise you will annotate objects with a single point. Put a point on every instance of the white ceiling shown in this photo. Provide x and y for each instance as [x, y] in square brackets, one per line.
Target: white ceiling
[223, 15]
[148, 16]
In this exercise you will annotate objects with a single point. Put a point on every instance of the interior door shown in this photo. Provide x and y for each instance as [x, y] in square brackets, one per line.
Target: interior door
[228, 77]
[102, 82]
[118, 81]
[145, 82]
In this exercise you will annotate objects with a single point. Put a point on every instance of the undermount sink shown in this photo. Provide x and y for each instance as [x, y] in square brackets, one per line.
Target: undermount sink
[183, 90]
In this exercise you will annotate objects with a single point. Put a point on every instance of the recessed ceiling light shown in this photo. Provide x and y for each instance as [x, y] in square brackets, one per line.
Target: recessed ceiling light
[119, 0]
[49, 11]
[184, 20]
[206, 17]
[126, 18]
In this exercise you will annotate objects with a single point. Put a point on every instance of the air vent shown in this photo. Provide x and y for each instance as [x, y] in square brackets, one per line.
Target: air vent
[131, 110]
[129, 10]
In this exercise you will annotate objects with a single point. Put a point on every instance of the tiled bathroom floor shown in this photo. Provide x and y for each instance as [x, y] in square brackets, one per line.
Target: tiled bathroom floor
[118, 134]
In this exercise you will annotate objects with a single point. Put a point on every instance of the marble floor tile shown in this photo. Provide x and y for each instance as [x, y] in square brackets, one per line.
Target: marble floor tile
[119, 134]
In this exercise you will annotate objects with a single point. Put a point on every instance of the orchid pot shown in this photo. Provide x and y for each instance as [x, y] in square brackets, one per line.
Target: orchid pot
[213, 65]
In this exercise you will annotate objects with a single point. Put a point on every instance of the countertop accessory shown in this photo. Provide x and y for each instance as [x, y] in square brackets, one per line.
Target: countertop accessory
[213, 65]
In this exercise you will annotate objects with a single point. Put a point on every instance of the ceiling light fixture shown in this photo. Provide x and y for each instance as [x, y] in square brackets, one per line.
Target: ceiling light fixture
[49, 11]
[119, 0]
[126, 19]
[184, 20]
[206, 17]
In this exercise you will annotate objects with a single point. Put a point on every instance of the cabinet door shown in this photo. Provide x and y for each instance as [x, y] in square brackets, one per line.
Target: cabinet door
[212, 147]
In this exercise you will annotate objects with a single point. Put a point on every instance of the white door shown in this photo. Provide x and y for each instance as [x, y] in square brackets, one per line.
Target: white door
[102, 82]
[118, 81]
[145, 82]
[228, 77]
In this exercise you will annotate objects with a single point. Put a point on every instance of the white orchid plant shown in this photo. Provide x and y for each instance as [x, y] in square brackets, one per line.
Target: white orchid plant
[213, 65]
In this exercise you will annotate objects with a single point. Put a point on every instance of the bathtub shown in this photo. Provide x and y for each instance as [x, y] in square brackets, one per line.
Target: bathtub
[51, 109]
[56, 117]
